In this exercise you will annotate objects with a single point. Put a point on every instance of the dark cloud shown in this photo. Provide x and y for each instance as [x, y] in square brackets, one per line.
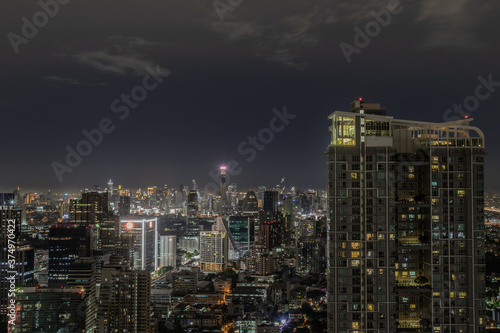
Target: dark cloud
[227, 76]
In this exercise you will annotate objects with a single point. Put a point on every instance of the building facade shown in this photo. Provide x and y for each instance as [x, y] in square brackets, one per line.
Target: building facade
[406, 228]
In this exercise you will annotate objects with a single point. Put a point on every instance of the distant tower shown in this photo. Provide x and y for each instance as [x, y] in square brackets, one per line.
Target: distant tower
[17, 197]
[223, 185]
[192, 205]
[271, 201]
[195, 186]
[110, 188]
[250, 205]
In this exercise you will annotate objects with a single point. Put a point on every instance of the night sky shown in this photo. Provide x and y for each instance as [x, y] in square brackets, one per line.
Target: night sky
[225, 78]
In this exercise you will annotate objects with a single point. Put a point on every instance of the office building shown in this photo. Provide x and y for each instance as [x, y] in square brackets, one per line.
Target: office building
[250, 206]
[190, 241]
[67, 242]
[92, 209]
[242, 229]
[271, 201]
[124, 206]
[406, 231]
[142, 235]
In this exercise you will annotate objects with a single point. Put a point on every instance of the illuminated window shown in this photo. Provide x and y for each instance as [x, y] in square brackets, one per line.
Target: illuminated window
[462, 294]
[370, 307]
[461, 193]
[355, 254]
[344, 131]
[355, 245]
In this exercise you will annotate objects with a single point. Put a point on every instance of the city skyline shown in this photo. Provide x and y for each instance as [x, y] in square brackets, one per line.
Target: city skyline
[317, 166]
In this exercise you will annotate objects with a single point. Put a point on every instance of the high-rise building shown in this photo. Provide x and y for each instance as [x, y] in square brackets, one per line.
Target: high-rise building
[83, 275]
[271, 201]
[190, 241]
[88, 209]
[250, 204]
[25, 264]
[168, 251]
[192, 205]
[92, 209]
[311, 255]
[110, 188]
[242, 230]
[142, 234]
[124, 206]
[273, 231]
[406, 229]
[223, 185]
[67, 242]
[213, 251]
[124, 300]
[18, 200]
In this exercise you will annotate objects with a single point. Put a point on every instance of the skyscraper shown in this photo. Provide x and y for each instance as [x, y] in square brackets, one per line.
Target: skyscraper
[213, 251]
[406, 224]
[124, 206]
[191, 239]
[270, 201]
[242, 230]
[110, 188]
[223, 185]
[250, 205]
[92, 209]
[142, 234]
[67, 242]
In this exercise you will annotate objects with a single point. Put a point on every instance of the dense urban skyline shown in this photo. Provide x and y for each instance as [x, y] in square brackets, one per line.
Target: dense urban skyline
[225, 77]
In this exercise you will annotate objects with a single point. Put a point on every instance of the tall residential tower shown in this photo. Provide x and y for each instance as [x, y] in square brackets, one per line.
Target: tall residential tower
[406, 229]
